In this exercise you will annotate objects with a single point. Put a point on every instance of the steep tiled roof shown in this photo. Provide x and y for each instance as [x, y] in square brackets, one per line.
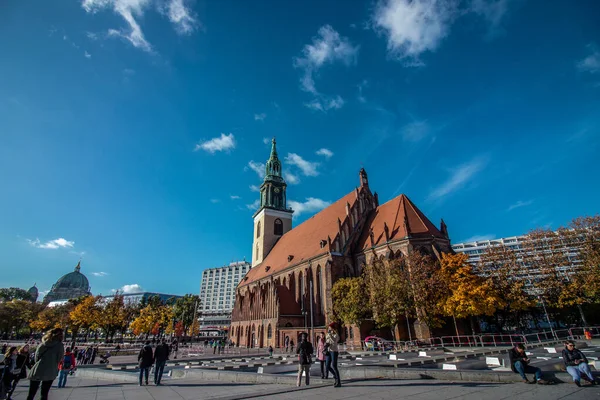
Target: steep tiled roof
[302, 242]
[403, 219]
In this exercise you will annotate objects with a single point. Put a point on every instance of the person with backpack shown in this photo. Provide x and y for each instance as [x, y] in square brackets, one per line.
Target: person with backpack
[66, 365]
[161, 355]
[47, 358]
[305, 352]
[145, 359]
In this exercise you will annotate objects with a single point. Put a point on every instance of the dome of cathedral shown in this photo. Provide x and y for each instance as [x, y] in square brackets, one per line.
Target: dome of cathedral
[33, 292]
[69, 286]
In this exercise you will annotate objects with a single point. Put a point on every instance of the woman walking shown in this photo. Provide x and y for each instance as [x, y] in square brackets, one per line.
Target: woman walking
[9, 371]
[332, 340]
[321, 350]
[20, 370]
[45, 369]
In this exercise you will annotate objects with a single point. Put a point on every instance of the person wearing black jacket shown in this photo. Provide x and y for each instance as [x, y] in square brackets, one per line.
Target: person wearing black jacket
[305, 351]
[161, 355]
[577, 364]
[519, 363]
[145, 358]
[22, 362]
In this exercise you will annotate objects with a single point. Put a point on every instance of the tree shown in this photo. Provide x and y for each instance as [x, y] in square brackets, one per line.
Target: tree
[505, 269]
[470, 295]
[586, 231]
[350, 300]
[186, 309]
[86, 314]
[13, 293]
[52, 317]
[428, 288]
[112, 316]
[389, 292]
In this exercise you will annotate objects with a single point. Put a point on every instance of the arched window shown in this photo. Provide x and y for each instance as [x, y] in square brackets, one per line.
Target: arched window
[269, 332]
[351, 331]
[258, 229]
[278, 227]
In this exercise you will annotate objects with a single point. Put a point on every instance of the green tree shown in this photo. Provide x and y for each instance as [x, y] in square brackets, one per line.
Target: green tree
[186, 309]
[350, 300]
[9, 294]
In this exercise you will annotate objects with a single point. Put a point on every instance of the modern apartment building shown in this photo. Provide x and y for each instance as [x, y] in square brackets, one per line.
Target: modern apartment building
[217, 293]
[475, 249]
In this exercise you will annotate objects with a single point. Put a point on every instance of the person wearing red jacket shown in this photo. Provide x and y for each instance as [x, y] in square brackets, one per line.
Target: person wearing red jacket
[66, 365]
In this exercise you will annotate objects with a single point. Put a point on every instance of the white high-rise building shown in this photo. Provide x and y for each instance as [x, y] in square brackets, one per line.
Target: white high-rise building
[217, 293]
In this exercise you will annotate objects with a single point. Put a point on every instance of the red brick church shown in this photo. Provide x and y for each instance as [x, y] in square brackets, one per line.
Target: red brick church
[288, 290]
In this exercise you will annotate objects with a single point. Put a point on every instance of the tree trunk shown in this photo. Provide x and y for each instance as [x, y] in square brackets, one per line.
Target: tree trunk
[585, 324]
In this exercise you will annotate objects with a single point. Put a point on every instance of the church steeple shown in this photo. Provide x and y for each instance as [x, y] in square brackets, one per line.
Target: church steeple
[273, 188]
[273, 218]
[78, 266]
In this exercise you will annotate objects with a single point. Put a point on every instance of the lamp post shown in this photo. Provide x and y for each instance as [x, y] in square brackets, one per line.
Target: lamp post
[547, 316]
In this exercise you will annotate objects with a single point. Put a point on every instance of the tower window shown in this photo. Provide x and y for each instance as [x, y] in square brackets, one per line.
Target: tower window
[258, 229]
[278, 229]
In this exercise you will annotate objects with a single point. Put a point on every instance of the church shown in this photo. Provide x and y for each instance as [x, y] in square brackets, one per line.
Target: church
[288, 289]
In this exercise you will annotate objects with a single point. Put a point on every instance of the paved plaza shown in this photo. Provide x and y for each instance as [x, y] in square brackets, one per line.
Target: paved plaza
[182, 389]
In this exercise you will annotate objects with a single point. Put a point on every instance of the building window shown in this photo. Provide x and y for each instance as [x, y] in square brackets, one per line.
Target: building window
[258, 229]
[269, 332]
[278, 227]
[257, 251]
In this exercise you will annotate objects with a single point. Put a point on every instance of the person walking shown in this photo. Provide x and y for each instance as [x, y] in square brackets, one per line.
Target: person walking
[20, 372]
[270, 351]
[161, 355]
[66, 365]
[94, 354]
[145, 361]
[577, 364]
[322, 348]
[332, 340]
[519, 363]
[292, 344]
[287, 344]
[45, 369]
[305, 352]
[175, 349]
[9, 371]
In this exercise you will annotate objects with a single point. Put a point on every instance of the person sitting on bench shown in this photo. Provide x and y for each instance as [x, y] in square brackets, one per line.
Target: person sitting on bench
[577, 364]
[519, 363]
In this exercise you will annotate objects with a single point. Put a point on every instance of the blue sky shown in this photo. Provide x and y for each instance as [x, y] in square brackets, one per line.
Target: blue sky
[132, 130]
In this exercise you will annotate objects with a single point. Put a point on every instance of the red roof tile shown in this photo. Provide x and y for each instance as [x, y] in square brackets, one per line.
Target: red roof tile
[303, 242]
[403, 219]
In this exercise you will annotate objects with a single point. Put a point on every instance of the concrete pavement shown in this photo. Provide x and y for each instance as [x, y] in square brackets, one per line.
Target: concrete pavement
[423, 389]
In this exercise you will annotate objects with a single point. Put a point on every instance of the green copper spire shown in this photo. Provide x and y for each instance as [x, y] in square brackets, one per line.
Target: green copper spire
[273, 166]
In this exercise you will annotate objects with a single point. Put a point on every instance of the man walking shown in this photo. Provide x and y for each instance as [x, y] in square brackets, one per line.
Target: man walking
[161, 355]
[66, 365]
[145, 361]
[305, 352]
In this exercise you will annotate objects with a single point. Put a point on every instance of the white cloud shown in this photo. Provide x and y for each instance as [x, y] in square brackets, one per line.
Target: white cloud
[42, 294]
[324, 103]
[215, 201]
[591, 63]
[415, 131]
[260, 117]
[181, 17]
[413, 27]
[51, 244]
[133, 10]
[133, 288]
[222, 143]
[311, 205]
[325, 153]
[266, 140]
[519, 204]
[361, 86]
[291, 178]
[478, 238]
[326, 48]
[91, 35]
[234, 197]
[87, 55]
[308, 168]
[254, 205]
[254, 188]
[491, 10]
[259, 168]
[99, 274]
[458, 178]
